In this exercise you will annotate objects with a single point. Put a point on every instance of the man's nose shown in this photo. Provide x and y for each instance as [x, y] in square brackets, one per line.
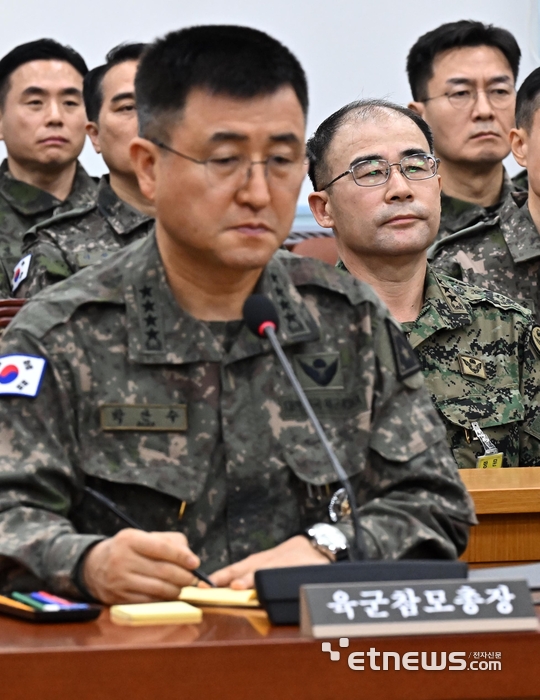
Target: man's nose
[482, 107]
[54, 112]
[255, 190]
[398, 186]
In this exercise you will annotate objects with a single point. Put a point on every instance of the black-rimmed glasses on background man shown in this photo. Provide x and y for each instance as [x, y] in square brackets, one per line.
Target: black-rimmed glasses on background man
[373, 172]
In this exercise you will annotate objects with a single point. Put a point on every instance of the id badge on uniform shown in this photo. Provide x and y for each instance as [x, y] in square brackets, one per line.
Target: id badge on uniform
[491, 459]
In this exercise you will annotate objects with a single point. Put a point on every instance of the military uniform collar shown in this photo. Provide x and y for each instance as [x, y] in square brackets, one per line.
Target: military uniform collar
[443, 308]
[121, 216]
[457, 214]
[517, 227]
[29, 200]
[161, 332]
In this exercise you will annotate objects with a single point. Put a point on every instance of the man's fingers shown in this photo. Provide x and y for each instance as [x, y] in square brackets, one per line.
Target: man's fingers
[161, 546]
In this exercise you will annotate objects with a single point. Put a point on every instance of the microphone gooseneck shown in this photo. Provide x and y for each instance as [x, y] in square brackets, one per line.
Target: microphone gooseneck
[262, 319]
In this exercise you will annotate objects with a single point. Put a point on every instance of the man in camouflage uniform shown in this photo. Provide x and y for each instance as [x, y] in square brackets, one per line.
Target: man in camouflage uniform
[478, 350]
[503, 254]
[462, 78]
[120, 213]
[42, 121]
[157, 395]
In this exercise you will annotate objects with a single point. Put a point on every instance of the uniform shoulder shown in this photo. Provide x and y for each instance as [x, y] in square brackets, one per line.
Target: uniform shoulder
[305, 272]
[478, 295]
[101, 284]
[71, 216]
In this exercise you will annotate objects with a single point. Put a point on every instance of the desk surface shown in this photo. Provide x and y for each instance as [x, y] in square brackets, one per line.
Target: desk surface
[237, 654]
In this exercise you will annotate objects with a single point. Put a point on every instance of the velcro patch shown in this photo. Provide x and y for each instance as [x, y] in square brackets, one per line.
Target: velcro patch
[21, 375]
[151, 417]
[407, 362]
[321, 371]
[20, 272]
[472, 367]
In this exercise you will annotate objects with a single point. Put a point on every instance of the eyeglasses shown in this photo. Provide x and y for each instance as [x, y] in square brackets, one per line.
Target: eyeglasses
[234, 171]
[370, 173]
[499, 97]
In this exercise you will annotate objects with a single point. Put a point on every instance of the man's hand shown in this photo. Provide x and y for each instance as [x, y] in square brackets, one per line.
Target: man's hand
[297, 551]
[9, 309]
[139, 567]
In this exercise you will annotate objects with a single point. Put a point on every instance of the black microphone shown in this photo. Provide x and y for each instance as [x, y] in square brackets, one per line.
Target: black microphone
[262, 319]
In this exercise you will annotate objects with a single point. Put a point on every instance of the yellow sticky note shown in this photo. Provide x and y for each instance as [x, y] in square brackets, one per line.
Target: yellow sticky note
[166, 613]
[226, 597]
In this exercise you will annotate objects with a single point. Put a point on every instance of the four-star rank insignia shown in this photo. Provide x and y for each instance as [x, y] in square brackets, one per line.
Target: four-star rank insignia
[321, 371]
[535, 337]
[472, 366]
[405, 358]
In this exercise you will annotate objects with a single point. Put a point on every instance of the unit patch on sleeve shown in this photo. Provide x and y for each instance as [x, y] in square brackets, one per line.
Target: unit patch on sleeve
[21, 271]
[21, 375]
[407, 362]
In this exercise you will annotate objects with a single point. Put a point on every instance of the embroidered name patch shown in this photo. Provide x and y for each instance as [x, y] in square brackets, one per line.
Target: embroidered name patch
[21, 271]
[21, 375]
[472, 367]
[151, 417]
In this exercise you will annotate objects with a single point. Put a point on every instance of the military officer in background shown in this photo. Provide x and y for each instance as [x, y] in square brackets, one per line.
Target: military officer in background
[42, 120]
[120, 213]
[504, 254]
[462, 77]
[148, 387]
[376, 184]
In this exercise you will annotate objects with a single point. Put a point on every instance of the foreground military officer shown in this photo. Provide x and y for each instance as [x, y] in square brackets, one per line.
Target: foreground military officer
[504, 254]
[157, 395]
[42, 120]
[376, 184]
[120, 213]
[462, 77]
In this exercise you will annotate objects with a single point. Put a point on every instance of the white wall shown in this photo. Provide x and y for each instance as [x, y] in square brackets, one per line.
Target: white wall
[349, 48]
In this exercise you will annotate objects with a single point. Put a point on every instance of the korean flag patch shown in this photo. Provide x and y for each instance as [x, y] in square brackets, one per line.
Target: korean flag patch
[21, 271]
[21, 375]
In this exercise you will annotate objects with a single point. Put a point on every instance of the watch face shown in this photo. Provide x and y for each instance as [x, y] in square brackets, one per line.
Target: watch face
[328, 536]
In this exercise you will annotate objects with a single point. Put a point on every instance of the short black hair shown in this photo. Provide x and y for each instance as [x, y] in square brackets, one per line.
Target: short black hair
[93, 80]
[528, 100]
[319, 143]
[40, 50]
[455, 35]
[224, 59]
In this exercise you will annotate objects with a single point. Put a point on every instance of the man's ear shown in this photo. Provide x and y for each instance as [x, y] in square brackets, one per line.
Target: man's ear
[418, 107]
[92, 130]
[519, 139]
[321, 209]
[143, 154]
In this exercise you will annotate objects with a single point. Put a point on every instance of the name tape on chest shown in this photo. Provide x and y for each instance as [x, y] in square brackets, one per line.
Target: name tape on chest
[21, 375]
[21, 271]
[144, 417]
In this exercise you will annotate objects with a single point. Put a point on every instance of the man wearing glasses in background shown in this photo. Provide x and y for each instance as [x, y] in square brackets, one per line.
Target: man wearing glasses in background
[157, 395]
[462, 77]
[376, 185]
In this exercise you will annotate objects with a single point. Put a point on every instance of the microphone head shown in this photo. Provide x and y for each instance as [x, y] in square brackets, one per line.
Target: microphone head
[259, 313]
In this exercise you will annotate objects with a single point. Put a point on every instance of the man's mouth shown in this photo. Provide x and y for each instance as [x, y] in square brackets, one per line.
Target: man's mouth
[252, 229]
[54, 141]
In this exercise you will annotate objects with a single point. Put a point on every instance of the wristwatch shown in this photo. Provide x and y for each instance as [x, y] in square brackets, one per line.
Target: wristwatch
[328, 540]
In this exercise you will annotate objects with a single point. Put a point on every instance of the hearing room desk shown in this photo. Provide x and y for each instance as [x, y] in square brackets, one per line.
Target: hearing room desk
[238, 656]
[507, 503]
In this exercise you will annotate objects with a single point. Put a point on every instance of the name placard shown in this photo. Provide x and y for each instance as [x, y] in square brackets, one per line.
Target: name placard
[415, 607]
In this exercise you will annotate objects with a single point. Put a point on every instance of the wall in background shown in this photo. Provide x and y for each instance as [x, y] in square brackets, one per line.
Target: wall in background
[350, 49]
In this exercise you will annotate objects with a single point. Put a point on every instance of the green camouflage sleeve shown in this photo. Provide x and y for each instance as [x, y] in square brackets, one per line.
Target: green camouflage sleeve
[48, 265]
[35, 532]
[530, 390]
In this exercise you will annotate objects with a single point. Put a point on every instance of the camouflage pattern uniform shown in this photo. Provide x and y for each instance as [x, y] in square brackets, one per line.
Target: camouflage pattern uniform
[457, 214]
[5, 282]
[68, 242]
[23, 206]
[502, 254]
[480, 353]
[155, 409]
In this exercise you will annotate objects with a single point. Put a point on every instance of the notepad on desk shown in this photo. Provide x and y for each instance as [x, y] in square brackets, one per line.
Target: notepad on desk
[166, 613]
[225, 597]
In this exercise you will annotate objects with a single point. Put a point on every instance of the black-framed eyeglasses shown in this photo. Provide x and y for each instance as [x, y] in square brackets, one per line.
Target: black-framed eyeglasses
[499, 97]
[235, 170]
[374, 172]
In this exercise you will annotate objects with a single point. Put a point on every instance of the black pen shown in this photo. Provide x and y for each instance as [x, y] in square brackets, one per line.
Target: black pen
[129, 521]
